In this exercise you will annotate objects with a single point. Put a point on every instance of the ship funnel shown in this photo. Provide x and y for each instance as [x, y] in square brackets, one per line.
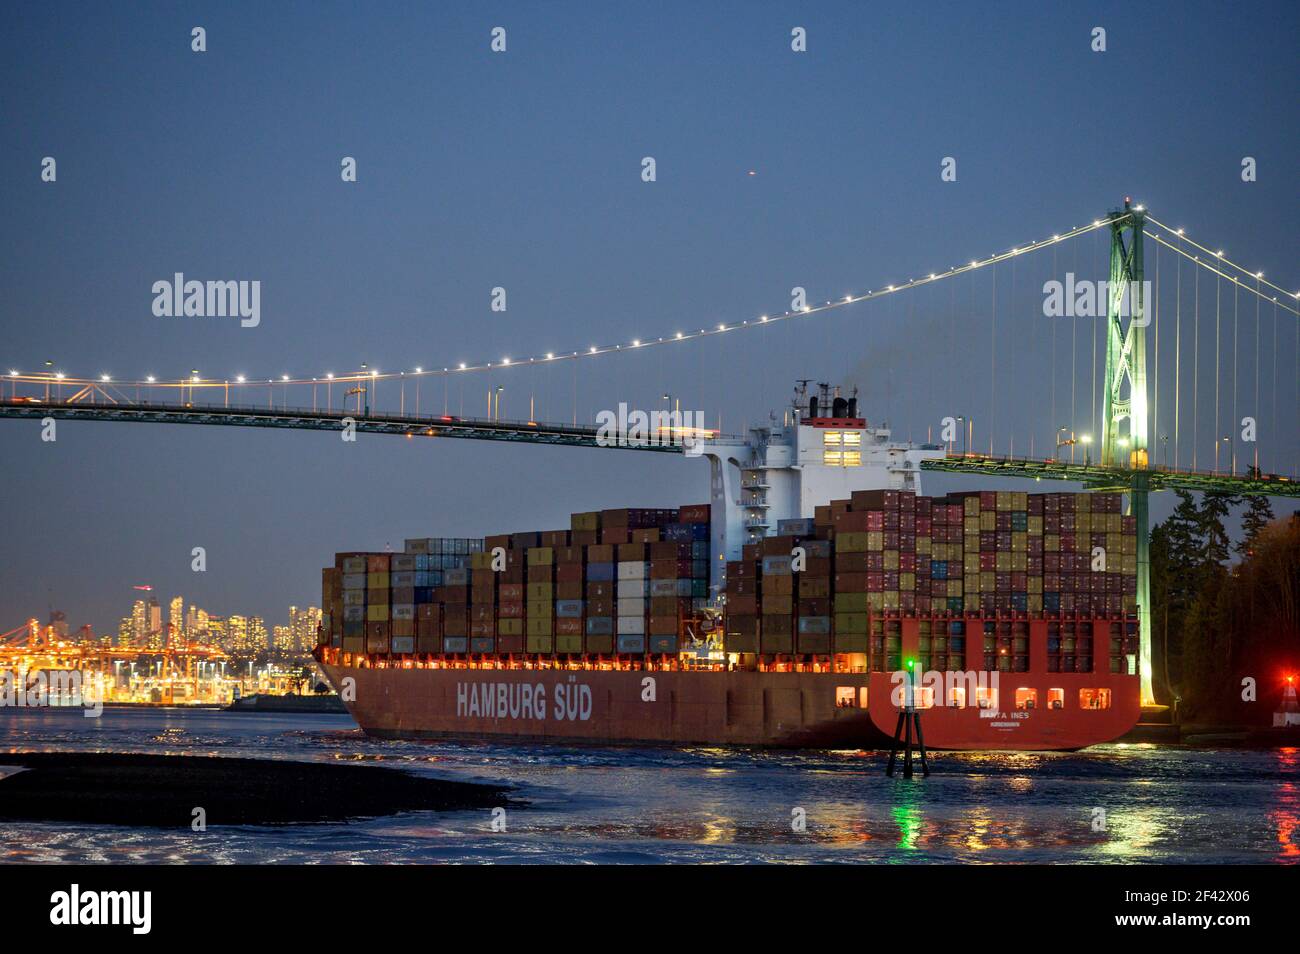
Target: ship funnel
[853, 407]
[812, 406]
[839, 408]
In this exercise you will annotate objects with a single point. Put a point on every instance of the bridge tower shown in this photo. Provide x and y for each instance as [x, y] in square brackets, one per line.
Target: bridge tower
[1126, 369]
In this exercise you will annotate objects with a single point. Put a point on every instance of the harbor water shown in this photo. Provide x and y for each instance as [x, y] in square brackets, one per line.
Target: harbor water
[1108, 804]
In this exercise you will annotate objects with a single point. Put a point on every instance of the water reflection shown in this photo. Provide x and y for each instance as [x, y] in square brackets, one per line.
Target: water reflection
[706, 804]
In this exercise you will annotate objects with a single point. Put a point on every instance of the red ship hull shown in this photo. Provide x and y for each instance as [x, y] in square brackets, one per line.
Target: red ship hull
[743, 708]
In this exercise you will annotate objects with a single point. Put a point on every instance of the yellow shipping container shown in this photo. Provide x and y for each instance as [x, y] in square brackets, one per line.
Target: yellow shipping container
[539, 627]
[1051, 543]
[539, 592]
[891, 560]
[875, 541]
[377, 613]
[971, 523]
[1082, 503]
[988, 582]
[1035, 584]
[510, 627]
[377, 581]
[971, 505]
[906, 582]
[1019, 562]
[1019, 500]
[1002, 560]
[851, 542]
[1034, 602]
[541, 556]
[876, 601]
[955, 588]
[540, 608]
[1004, 500]
[1035, 523]
[1019, 540]
[925, 545]
[988, 520]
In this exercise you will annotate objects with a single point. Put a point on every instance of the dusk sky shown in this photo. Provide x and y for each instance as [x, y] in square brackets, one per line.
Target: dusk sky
[522, 169]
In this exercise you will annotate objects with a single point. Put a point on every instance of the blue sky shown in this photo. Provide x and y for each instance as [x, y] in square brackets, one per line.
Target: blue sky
[522, 170]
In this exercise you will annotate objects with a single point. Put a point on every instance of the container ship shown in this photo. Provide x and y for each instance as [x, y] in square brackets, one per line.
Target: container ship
[784, 612]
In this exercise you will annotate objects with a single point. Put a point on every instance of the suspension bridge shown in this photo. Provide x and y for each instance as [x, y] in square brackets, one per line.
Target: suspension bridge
[1125, 411]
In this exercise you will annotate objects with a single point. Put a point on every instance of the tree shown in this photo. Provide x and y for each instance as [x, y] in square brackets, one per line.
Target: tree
[1258, 515]
[1215, 507]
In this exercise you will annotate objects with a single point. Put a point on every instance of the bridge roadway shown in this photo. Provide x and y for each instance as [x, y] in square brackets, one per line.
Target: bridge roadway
[1094, 476]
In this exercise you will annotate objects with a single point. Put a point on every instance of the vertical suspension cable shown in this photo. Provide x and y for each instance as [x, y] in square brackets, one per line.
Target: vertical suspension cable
[1074, 364]
[1155, 387]
[1196, 362]
[1011, 357]
[1218, 286]
[1232, 454]
[993, 359]
[1178, 353]
[1053, 363]
[1255, 406]
[1095, 326]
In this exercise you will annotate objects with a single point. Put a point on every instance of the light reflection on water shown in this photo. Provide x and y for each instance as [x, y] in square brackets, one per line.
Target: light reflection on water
[701, 805]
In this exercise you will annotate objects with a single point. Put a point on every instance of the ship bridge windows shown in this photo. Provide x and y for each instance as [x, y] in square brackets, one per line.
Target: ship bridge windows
[1094, 698]
[1056, 698]
[842, 448]
[986, 697]
[957, 697]
[1026, 699]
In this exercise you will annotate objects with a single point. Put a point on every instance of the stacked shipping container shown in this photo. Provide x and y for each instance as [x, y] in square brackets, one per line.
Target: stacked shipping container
[617, 581]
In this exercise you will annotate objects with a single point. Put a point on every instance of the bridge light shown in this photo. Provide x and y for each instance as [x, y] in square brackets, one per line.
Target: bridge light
[194, 379]
[1056, 238]
[59, 375]
[549, 356]
[636, 342]
[932, 276]
[1259, 274]
[593, 350]
[462, 365]
[373, 372]
[329, 376]
[679, 334]
[13, 374]
[239, 379]
[722, 327]
[505, 360]
[973, 263]
[284, 377]
[1096, 222]
[1219, 253]
[848, 297]
[764, 318]
[105, 377]
[150, 379]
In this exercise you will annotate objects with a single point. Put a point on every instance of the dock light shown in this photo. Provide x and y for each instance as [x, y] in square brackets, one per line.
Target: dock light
[549, 356]
[284, 377]
[679, 334]
[239, 379]
[1086, 438]
[419, 370]
[592, 351]
[505, 360]
[1123, 442]
[848, 297]
[13, 374]
[194, 379]
[105, 377]
[636, 342]
[329, 376]
[59, 375]
[722, 327]
[763, 318]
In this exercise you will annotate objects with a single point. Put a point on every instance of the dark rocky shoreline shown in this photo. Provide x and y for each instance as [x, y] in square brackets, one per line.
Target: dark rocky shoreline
[162, 791]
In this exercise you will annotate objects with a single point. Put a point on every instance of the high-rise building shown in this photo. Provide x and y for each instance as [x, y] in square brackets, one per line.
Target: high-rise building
[216, 630]
[258, 640]
[139, 624]
[236, 634]
[303, 624]
[282, 639]
[154, 623]
[176, 616]
[125, 631]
